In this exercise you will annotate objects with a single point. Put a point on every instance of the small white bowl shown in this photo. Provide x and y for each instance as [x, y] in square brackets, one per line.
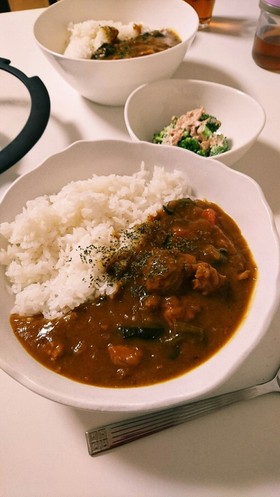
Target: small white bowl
[149, 108]
[110, 82]
[236, 193]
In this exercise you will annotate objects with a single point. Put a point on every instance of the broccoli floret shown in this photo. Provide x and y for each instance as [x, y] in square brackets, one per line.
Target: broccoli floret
[220, 146]
[203, 152]
[161, 135]
[211, 122]
[205, 131]
[189, 144]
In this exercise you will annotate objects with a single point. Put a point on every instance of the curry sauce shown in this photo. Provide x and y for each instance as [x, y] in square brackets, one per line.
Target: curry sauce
[183, 289]
[147, 43]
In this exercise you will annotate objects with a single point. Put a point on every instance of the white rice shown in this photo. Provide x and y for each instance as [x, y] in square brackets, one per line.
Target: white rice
[86, 37]
[56, 244]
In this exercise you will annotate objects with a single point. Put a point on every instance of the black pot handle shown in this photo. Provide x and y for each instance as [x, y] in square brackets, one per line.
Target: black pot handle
[37, 120]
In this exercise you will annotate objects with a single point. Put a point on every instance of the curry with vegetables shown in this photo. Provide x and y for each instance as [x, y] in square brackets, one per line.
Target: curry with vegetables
[147, 43]
[184, 286]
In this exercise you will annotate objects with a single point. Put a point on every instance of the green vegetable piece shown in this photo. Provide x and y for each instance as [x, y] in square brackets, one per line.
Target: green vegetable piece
[221, 146]
[212, 122]
[189, 144]
[144, 332]
[203, 153]
[207, 133]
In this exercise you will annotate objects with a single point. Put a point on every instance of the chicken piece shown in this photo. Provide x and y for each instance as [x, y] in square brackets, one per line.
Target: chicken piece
[164, 272]
[125, 355]
[105, 34]
[151, 302]
[178, 309]
[53, 349]
[207, 279]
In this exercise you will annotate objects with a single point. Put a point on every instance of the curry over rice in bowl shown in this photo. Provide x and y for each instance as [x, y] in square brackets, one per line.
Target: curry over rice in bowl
[136, 280]
[106, 49]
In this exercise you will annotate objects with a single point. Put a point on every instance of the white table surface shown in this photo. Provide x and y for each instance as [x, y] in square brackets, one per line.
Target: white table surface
[233, 453]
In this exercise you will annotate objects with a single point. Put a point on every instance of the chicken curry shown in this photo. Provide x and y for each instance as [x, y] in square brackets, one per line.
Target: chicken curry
[183, 289]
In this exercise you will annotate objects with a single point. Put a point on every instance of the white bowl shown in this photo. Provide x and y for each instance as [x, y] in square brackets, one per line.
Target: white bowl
[149, 108]
[110, 82]
[236, 193]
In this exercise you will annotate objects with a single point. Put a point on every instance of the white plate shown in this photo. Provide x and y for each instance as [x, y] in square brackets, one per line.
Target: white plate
[236, 193]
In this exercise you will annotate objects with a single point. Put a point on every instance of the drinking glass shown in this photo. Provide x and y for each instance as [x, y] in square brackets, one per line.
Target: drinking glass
[204, 9]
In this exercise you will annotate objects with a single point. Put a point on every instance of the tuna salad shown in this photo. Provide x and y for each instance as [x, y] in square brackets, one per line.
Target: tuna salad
[196, 131]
